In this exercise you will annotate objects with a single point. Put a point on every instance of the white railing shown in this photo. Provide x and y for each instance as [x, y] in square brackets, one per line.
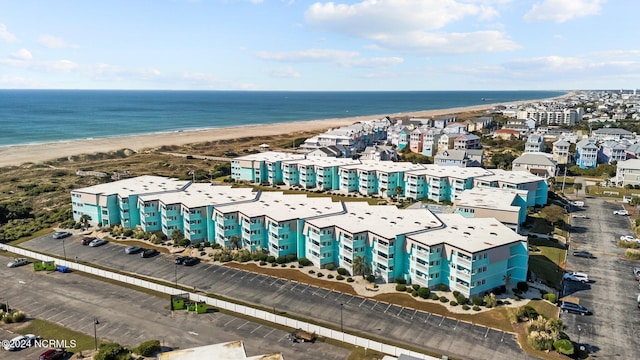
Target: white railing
[229, 306]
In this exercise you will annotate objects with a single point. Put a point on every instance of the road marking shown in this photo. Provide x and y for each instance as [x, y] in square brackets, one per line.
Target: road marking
[274, 282]
[502, 338]
[303, 290]
[294, 286]
[245, 323]
[442, 321]
[229, 322]
[254, 330]
[363, 300]
[269, 333]
[385, 310]
[456, 325]
[339, 296]
[374, 305]
[414, 314]
[400, 312]
[324, 297]
[353, 297]
[487, 333]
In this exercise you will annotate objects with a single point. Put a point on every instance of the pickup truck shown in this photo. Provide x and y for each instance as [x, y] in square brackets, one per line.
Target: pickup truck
[303, 336]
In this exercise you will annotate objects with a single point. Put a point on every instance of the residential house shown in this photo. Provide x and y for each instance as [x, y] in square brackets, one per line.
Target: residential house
[467, 141]
[446, 141]
[586, 154]
[380, 153]
[507, 134]
[430, 141]
[610, 151]
[535, 143]
[560, 152]
[612, 134]
[416, 139]
[628, 172]
[539, 164]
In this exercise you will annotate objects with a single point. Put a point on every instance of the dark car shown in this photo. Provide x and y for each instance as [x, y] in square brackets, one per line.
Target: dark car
[87, 240]
[584, 254]
[180, 259]
[147, 253]
[61, 234]
[190, 261]
[569, 307]
[53, 354]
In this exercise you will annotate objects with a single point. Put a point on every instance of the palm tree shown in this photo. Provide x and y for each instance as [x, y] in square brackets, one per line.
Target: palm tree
[234, 242]
[84, 220]
[358, 266]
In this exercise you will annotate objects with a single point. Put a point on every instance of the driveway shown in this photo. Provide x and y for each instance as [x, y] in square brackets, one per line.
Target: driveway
[613, 329]
[382, 320]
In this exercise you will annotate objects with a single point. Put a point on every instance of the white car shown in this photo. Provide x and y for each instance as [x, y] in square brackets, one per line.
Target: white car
[629, 238]
[577, 276]
[20, 342]
[621, 212]
[17, 262]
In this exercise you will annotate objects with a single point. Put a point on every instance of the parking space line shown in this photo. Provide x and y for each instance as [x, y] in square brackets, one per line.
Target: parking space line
[230, 321]
[487, 333]
[339, 296]
[225, 272]
[428, 317]
[274, 282]
[353, 297]
[374, 305]
[502, 337]
[414, 314]
[456, 325]
[303, 290]
[294, 286]
[254, 330]
[385, 310]
[400, 312]
[245, 323]
[269, 333]
[363, 300]
[324, 297]
[443, 320]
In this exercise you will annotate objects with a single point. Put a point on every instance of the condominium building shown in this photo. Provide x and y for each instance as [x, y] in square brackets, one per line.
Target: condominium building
[505, 205]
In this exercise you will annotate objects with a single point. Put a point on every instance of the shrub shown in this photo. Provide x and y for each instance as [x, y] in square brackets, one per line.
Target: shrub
[304, 261]
[7, 319]
[263, 263]
[111, 351]
[563, 346]
[517, 298]
[549, 297]
[127, 233]
[320, 274]
[340, 277]
[329, 267]
[526, 313]
[453, 303]
[281, 260]
[401, 287]
[342, 271]
[461, 299]
[476, 308]
[415, 287]
[371, 278]
[19, 316]
[424, 292]
[312, 272]
[148, 348]
[477, 300]
[489, 300]
[465, 307]
[283, 265]
[292, 266]
[401, 280]
[522, 286]
[456, 293]
[349, 280]
[271, 259]
[443, 299]
[273, 264]
[443, 287]
[329, 276]
[435, 297]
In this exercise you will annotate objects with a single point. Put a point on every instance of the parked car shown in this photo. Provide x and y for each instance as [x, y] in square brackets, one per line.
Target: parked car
[87, 240]
[98, 242]
[20, 342]
[17, 262]
[569, 307]
[190, 261]
[132, 249]
[621, 212]
[577, 276]
[584, 254]
[579, 216]
[629, 238]
[61, 234]
[636, 272]
[147, 253]
[53, 354]
[180, 259]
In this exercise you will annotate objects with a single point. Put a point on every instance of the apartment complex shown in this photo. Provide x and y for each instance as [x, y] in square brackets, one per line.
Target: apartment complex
[468, 255]
[384, 178]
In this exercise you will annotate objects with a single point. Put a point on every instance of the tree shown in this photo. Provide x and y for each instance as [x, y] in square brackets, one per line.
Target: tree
[398, 190]
[635, 202]
[503, 160]
[358, 265]
[234, 242]
[177, 235]
[577, 187]
[553, 214]
[84, 220]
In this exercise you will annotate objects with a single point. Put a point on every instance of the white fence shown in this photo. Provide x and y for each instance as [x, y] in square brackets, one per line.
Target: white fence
[240, 309]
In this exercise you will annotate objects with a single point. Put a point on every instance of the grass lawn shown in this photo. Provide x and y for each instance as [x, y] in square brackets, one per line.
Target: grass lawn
[538, 225]
[51, 331]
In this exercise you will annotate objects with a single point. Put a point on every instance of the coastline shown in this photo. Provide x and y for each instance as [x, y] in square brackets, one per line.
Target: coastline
[15, 155]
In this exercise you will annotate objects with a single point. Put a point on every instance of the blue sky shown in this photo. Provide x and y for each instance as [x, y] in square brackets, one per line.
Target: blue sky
[305, 45]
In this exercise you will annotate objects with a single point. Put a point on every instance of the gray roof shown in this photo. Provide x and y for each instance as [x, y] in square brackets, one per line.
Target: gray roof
[452, 154]
[586, 144]
[562, 142]
[612, 131]
[534, 159]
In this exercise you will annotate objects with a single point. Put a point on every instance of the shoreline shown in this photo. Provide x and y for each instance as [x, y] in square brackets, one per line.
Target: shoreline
[16, 155]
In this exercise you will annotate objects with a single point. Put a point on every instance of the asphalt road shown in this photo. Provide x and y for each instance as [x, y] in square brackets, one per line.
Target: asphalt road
[382, 320]
[130, 317]
[612, 331]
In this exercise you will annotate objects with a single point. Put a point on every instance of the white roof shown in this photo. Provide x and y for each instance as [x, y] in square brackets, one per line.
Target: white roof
[384, 166]
[324, 161]
[385, 220]
[145, 184]
[534, 158]
[489, 198]
[511, 177]
[201, 194]
[233, 350]
[281, 207]
[271, 156]
[469, 234]
[633, 164]
[450, 171]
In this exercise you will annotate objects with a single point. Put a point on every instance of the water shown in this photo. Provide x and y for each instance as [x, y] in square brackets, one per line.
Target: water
[37, 116]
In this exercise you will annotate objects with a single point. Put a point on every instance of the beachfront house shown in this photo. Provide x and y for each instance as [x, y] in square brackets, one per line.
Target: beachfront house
[586, 154]
[560, 152]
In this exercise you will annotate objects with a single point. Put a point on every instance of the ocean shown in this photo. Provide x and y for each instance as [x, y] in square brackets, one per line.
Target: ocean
[39, 116]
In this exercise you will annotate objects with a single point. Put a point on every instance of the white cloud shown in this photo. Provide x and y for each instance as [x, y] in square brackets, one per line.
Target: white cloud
[411, 25]
[285, 72]
[560, 11]
[340, 57]
[548, 64]
[22, 54]
[5, 35]
[62, 65]
[54, 42]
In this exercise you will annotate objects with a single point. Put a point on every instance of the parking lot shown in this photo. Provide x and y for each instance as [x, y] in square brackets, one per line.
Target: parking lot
[131, 317]
[612, 291]
[382, 320]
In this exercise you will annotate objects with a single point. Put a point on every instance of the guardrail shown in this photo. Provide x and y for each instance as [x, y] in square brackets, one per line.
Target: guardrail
[229, 306]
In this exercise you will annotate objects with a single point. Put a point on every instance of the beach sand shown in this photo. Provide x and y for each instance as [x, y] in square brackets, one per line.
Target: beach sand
[14, 155]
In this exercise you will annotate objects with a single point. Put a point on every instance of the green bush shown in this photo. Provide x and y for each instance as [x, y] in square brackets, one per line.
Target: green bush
[330, 276]
[273, 264]
[443, 287]
[401, 280]
[304, 261]
[7, 319]
[183, 242]
[271, 259]
[522, 286]
[148, 348]
[424, 292]
[443, 299]
[340, 277]
[465, 307]
[477, 300]
[435, 297]
[564, 347]
[329, 267]
[312, 272]
[414, 293]
[127, 232]
[461, 299]
[456, 293]
[371, 278]
[453, 303]
[320, 275]
[342, 271]
[112, 351]
[549, 297]
[350, 280]
[401, 287]
[415, 287]
[19, 316]
[281, 260]
[476, 308]
[263, 263]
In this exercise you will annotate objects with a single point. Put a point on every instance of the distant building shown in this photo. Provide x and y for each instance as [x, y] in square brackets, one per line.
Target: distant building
[535, 143]
[610, 151]
[611, 134]
[467, 141]
[380, 153]
[506, 205]
[507, 134]
[628, 172]
[586, 154]
[538, 164]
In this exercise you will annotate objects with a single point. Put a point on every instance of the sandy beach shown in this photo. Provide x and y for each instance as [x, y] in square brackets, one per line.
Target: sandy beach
[15, 155]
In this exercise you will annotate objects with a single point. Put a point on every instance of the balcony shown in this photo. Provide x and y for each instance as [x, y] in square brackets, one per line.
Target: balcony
[461, 274]
[463, 261]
